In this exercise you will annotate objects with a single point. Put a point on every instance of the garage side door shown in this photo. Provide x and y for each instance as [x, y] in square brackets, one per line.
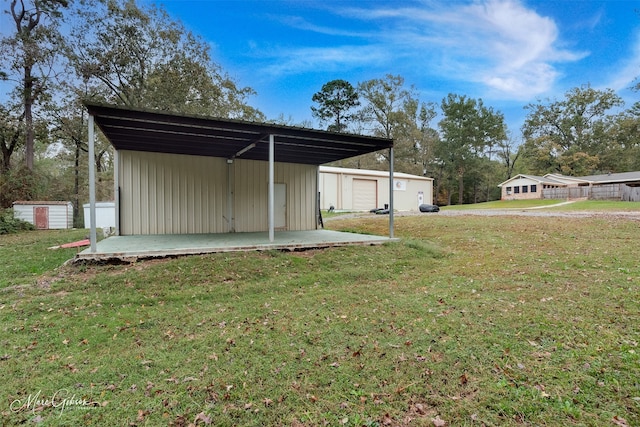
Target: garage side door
[365, 194]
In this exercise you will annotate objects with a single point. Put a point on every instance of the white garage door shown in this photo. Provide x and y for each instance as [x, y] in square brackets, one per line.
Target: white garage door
[365, 192]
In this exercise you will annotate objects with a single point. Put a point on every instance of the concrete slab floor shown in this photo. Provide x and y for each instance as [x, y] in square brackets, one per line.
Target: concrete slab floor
[155, 246]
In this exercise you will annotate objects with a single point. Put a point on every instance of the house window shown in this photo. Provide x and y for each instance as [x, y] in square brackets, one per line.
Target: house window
[516, 190]
[508, 190]
[534, 188]
[525, 188]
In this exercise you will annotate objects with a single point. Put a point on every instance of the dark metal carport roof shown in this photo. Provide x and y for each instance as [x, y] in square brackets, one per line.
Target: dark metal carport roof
[155, 131]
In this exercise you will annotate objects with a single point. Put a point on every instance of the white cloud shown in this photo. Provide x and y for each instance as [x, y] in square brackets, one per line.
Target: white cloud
[300, 60]
[510, 49]
[499, 43]
[629, 70]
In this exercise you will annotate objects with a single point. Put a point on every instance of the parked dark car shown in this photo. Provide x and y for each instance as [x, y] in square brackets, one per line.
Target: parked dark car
[429, 208]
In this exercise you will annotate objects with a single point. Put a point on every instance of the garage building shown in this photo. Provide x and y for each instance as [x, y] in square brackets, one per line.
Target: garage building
[362, 189]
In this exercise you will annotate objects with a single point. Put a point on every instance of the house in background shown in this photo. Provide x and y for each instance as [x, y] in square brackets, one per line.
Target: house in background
[527, 187]
[43, 215]
[623, 186]
[362, 190]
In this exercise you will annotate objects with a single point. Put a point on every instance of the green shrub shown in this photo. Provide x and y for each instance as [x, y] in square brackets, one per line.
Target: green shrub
[10, 224]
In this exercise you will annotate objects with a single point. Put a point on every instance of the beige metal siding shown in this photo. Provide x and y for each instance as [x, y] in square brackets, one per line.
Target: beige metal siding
[171, 194]
[178, 194]
[329, 191]
[251, 195]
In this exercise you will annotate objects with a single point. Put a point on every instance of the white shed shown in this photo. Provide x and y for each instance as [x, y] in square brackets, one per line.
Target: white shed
[45, 215]
[105, 215]
[362, 189]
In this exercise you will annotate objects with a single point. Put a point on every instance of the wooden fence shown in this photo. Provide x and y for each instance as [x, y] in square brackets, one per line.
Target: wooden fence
[597, 192]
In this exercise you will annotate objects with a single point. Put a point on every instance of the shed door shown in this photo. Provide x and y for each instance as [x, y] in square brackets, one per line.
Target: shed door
[365, 194]
[41, 216]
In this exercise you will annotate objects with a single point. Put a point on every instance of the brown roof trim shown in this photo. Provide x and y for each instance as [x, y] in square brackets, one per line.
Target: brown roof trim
[40, 202]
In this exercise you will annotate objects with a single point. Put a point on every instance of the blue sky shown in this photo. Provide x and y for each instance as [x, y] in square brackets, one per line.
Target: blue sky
[507, 52]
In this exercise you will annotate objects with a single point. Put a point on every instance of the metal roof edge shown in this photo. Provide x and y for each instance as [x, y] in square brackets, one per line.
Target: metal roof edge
[92, 106]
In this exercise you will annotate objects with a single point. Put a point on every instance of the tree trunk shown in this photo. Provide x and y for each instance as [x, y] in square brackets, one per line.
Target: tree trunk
[28, 117]
[460, 188]
[7, 152]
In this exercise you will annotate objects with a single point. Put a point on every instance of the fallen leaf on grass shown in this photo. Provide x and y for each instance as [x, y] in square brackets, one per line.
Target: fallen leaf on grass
[463, 379]
[619, 421]
[141, 415]
[438, 422]
[202, 417]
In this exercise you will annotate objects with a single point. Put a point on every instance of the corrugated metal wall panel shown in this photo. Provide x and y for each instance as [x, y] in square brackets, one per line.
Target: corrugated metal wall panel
[251, 197]
[301, 190]
[178, 194]
[171, 194]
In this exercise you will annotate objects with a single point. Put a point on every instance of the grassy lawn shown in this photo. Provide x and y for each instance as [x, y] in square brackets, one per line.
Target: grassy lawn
[584, 205]
[599, 205]
[468, 320]
[505, 204]
[24, 257]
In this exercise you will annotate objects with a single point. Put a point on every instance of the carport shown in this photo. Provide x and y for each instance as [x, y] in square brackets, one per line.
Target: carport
[245, 146]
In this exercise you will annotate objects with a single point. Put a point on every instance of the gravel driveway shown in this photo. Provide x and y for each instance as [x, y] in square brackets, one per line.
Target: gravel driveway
[538, 212]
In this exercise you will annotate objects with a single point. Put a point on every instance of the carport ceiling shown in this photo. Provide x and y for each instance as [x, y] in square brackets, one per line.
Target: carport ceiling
[145, 130]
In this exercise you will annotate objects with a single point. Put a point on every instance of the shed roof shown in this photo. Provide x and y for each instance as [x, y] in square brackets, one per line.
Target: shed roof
[40, 202]
[155, 131]
[369, 172]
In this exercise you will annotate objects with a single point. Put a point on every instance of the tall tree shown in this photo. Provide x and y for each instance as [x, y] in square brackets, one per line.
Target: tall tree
[336, 101]
[508, 152]
[469, 129]
[392, 111]
[570, 136]
[29, 57]
[145, 59]
[11, 131]
[427, 138]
